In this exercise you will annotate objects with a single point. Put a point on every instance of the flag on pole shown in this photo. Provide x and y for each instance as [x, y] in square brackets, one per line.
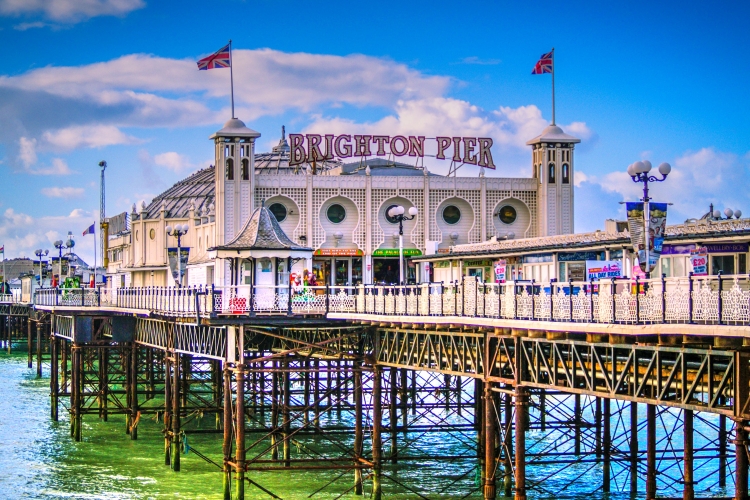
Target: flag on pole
[2, 249]
[544, 65]
[222, 58]
[89, 230]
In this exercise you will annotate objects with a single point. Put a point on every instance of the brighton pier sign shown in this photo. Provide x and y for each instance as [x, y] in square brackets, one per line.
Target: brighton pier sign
[316, 147]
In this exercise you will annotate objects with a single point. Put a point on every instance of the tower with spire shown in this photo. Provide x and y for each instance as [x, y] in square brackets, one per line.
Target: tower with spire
[235, 181]
[552, 167]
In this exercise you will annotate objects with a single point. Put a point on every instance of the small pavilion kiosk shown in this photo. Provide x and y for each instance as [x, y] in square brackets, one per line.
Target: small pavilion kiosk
[260, 259]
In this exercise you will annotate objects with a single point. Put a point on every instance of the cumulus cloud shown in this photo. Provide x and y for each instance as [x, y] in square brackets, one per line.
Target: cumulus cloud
[69, 11]
[28, 159]
[173, 161]
[63, 192]
[61, 104]
[87, 136]
[23, 233]
[698, 178]
[509, 128]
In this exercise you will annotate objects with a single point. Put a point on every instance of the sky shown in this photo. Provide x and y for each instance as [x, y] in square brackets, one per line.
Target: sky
[90, 80]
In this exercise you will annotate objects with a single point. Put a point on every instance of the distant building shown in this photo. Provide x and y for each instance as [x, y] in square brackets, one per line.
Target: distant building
[18, 267]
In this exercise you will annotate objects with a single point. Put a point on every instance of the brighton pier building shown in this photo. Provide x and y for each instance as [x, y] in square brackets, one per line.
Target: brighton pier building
[337, 210]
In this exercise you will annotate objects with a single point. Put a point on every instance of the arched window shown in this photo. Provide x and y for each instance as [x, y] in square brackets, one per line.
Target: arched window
[551, 176]
[565, 174]
[230, 169]
[245, 169]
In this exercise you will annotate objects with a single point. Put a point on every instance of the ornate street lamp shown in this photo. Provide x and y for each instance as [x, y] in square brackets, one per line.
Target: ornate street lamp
[640, 172]
[397, 213]
[178, 232]
[41, 253]
[69, 243]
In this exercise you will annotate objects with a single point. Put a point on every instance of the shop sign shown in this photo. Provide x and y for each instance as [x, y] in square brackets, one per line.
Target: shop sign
[501, 268]
[477, 263]
[677, 249]
[576, 256]
[699, 261]
[537, 259]
[440, 264]
[444, 250]
[317, 147]
[603, 269]
[393, 252]
[338, 252]
[727, 247]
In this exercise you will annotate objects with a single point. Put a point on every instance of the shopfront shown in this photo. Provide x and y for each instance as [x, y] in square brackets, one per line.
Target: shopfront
[572, 265]
[385, 265]
[727, 258]
[338, 266]
[482, 269]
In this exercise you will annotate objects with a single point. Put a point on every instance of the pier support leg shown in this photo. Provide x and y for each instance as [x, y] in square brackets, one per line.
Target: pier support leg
[607, 447]
[134, 409]
[740, 483]
[650, 452]
[508, 444]
[688, 492]
[404, 401]
[227, 444]
[633, 449]
[54, 385]
[176, 399]
[577, 424]
[39, 329]
[75, 392]
[286, 418]
[240, 433]
[167, 410]
[392, 415]
[30, 343]
[377, 419]
[316, 395]
[522, 407]
[275, 411]
[490, 436]
[358, 438]
[722, 451]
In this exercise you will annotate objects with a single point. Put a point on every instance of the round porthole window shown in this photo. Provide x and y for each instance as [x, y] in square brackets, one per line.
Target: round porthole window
[279, 211]
[336, 213]
[507, 214]
[451, 214]
[152, 234]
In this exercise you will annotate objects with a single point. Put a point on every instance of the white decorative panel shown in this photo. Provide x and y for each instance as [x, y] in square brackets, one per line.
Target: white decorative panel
[551, 211]
[228, 211]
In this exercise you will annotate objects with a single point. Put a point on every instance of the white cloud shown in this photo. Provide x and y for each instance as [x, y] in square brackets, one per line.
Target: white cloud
[28, 26]
[63, 192]
[69, 10]
[477, 60]
[579, 178]
[22, 234]
[27, 151]
[698, 178]
[173, 161]
[510, 128]
[88, 136]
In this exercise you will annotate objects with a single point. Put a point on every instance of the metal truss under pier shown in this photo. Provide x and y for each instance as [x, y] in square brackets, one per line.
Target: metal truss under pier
[389, 405]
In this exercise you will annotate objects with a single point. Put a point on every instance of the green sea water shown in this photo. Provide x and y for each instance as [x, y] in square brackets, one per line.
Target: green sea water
[39, 460]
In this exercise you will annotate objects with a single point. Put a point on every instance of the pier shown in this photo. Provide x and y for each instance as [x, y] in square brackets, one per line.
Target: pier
[620, 372]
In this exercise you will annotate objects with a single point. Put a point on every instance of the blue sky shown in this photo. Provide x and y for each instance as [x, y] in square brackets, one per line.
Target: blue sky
[88, 80]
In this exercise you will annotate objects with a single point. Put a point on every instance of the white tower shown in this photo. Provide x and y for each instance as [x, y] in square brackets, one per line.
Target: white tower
[552, 166]
[235, 183]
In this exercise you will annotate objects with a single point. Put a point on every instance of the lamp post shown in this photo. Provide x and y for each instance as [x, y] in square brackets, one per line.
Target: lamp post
[397, 213]
[41, 253]
[639, 172]
[178, 232]
[69, 243]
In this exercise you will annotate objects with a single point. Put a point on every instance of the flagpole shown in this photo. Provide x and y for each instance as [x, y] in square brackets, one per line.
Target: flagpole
[553, 85]
[5, 276]
[231, 76]
[95, 254]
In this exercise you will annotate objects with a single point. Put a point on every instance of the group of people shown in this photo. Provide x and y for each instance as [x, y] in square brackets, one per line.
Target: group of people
[300, 281]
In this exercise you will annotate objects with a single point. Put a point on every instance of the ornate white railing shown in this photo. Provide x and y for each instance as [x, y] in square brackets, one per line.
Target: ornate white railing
[700, 299]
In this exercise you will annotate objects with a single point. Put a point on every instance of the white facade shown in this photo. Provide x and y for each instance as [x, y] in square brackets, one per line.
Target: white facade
[341, 212]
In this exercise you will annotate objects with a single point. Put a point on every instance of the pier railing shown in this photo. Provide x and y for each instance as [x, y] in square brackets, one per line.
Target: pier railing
[691, 299]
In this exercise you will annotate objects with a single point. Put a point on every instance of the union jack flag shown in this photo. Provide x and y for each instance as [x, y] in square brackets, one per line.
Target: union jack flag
[222, 58]
[545, 64]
